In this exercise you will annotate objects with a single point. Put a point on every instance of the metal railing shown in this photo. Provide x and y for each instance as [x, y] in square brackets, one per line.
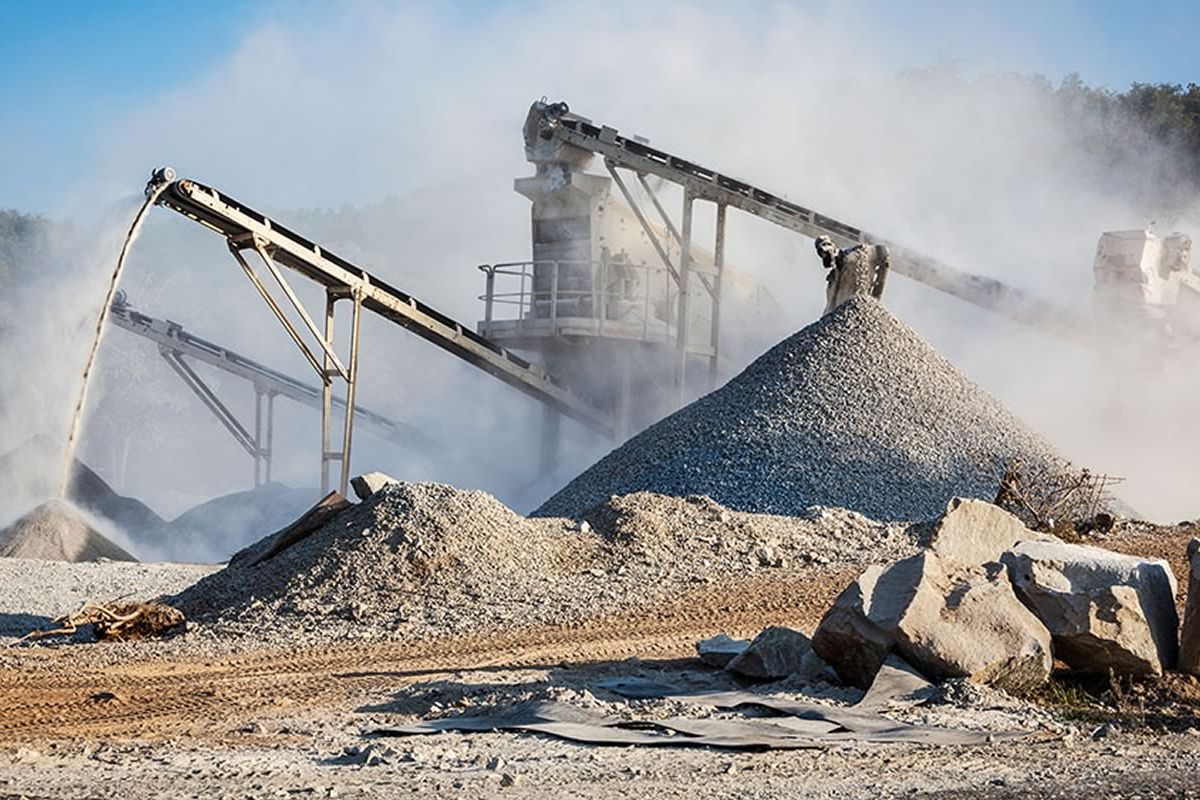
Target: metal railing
[534, 295]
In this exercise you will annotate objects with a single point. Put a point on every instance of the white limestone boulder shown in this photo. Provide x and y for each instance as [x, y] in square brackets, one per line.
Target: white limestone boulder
[1105, 610]
[946, 618]
[977, 532]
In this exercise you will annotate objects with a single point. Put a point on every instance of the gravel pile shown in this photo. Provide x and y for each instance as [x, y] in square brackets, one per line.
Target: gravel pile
[854, 411]
[56, 531]
[428, 559]
[212, 531]
[31, 472]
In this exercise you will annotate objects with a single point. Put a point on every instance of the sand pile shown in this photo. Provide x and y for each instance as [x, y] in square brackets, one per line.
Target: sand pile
[56, 531]
[854, 411]
[429, 559]
[217, 528]
[32, 471]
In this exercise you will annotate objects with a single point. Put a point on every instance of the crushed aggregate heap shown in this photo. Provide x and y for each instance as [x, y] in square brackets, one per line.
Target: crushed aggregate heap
[55, 531]
[855, 411]
[428, 559]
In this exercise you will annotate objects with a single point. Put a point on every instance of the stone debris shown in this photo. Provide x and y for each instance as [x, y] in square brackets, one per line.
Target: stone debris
[719, 650]
[415, 559]
[1105, 610]
[1189, 635]
[369, 483]
[57, 531]
[775, 653]
[977, 532]
[897, 684]
[946, 619]
[855, 411]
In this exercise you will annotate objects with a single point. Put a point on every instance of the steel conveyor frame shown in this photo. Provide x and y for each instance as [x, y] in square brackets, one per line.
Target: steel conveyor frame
[174, 344]
[702, 183]
[247, 229]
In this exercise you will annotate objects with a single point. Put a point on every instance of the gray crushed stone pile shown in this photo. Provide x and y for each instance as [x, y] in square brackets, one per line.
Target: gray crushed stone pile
[855, 411]
[57, 531]
[418, 559]
[218, 527]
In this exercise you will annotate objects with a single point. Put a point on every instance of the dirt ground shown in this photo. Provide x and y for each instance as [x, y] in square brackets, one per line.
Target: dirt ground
[143, 720]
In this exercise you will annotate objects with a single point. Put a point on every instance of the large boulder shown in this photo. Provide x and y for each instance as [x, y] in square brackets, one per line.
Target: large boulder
[858, 631]
[948, 619]
[1189, 636]
[976, 532]
[1105, 610]
[775, 653]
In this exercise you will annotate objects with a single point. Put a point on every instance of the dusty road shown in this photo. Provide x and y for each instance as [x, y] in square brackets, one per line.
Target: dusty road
[149, 721]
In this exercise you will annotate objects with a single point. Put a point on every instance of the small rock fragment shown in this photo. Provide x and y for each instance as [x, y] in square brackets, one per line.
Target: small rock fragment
[369, 483]
[775, 653]
[719, 650]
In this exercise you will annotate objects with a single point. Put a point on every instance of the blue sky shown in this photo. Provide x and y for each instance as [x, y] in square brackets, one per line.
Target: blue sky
[69, 68]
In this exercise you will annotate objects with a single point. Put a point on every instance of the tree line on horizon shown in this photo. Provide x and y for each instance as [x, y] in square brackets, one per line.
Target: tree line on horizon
[1113, 129]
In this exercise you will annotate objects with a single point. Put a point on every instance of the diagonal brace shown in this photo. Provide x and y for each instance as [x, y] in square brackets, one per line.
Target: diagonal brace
[210, 399]
[666, 218]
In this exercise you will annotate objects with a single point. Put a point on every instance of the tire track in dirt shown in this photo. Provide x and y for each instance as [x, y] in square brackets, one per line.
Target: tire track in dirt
[59, 697]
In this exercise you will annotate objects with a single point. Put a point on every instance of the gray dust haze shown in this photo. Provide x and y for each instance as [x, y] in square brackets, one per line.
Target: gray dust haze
[402, 135]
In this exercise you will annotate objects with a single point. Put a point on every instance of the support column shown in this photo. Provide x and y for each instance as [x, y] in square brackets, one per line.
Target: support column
[685, 299]
[551, 420]
[258, 436]
[327, 393]
[351, 389]
[625, 399]
[719, 267]
[270, 448]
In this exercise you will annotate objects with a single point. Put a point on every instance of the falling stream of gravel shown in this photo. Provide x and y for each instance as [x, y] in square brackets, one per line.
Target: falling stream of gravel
[85, 380]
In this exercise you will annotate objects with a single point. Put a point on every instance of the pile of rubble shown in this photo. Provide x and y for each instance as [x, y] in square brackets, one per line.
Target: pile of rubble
[57, 531]
[31, 473]
[855, 411]
[990, 601]
[427, 559]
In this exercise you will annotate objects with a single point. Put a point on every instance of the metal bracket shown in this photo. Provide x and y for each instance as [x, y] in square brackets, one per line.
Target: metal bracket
[258, 444]
[325, 361]
[666, 218]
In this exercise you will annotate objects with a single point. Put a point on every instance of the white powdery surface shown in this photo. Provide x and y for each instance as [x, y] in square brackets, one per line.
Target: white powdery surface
[428, 559]
[855, 411]
[33, 592]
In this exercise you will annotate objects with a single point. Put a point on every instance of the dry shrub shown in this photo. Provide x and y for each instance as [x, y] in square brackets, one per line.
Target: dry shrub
[1057, 499]
[119, 621]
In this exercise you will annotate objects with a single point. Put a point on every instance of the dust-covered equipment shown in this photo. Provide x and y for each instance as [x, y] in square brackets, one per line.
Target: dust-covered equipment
[616, 303]
[618, 306]
[852, 271]
[275, 246]
[1145, 280]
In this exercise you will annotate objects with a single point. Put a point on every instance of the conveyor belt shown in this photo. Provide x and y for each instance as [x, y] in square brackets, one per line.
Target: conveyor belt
[239, 223]
[556, 122]
[172, 338]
